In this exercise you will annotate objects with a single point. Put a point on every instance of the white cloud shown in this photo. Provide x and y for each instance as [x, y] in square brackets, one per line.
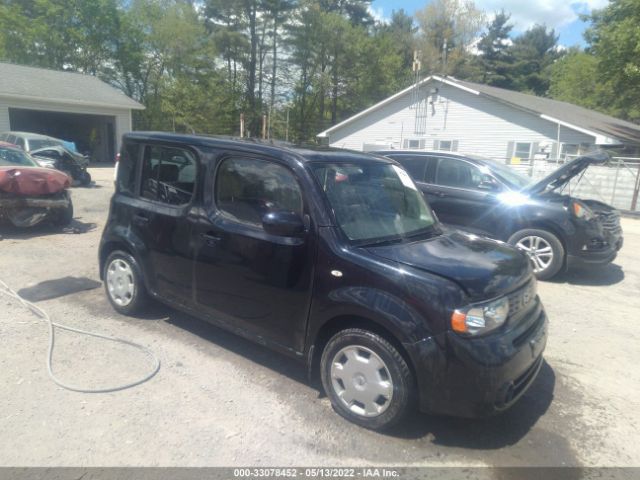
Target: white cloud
[377, 14]
[553, 13]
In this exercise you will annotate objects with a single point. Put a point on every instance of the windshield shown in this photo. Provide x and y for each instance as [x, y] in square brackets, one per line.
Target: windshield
[37, 144]
[10, 157]
[374, 201]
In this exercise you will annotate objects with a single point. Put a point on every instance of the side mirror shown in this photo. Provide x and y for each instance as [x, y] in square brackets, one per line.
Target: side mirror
[283, 224]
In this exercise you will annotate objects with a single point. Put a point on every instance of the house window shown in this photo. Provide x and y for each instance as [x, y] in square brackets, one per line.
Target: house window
[569, 150]
[446, 145]
[413, 143]
[523, 150]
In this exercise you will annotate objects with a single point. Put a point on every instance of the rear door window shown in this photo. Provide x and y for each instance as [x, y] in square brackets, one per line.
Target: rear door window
[246, 189]
[452, 172]
[168, 175]
[416, 165]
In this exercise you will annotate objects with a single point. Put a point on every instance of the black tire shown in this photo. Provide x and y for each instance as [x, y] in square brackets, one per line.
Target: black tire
[63, 217]
[139, 297]
[403, 383]
[557, 261]
[85, 179]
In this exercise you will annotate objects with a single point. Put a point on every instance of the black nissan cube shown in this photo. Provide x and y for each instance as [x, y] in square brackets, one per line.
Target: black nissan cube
[333, 258]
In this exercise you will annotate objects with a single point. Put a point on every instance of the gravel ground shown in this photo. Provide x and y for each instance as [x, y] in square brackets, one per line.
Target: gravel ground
[219, 400]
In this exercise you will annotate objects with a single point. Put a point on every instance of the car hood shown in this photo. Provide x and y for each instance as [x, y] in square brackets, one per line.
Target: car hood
[484, 268]
[566, 172]
[32, 181]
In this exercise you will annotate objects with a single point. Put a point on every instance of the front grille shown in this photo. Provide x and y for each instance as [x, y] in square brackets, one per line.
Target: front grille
[523, 298]
[610, 221]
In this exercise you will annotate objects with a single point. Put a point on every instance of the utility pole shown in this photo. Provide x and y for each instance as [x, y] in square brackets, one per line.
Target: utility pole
[264, 126]
[286, 131]
[242, 125]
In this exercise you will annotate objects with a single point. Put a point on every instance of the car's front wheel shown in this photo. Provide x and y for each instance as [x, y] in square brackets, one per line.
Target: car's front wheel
[544, 250]
[367, 380]
[123, 283]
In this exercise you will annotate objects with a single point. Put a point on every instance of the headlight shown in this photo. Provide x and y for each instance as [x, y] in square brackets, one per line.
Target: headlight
[580, 210]
[480, 319]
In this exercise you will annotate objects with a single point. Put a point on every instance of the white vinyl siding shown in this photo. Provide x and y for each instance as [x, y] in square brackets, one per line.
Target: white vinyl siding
[481, 125]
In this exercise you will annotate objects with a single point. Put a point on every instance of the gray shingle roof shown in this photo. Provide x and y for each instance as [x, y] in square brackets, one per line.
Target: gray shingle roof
[566, 112]
[18, 81]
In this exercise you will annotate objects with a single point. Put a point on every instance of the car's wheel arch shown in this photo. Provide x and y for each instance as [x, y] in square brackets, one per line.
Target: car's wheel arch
[343, 322]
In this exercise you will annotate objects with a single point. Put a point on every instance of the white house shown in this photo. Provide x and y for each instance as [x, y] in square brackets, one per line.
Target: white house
[66, 105]
[442, 113]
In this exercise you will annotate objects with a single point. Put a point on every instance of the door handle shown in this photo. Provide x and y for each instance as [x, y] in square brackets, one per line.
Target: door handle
[210, 239]
[440, 194]
[140, 219]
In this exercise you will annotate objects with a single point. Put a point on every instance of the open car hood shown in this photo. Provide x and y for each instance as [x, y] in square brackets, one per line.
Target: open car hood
[563, 175]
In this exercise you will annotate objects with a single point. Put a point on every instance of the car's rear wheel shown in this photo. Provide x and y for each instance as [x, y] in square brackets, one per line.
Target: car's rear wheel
[544, 250]
[367, 380]
[123, 282]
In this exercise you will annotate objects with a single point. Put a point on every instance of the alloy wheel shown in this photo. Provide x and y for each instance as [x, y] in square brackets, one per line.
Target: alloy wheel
[538, 250]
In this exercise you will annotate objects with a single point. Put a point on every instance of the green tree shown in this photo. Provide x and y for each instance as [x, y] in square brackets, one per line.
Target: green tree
[495, 55]
[533, 53]
[447, 30]
[615, 40]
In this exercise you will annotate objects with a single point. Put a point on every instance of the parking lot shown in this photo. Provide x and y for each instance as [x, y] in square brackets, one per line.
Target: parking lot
[219, 400]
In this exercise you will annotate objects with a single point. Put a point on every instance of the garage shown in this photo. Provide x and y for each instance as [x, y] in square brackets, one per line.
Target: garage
[94, 135]
[70, 106]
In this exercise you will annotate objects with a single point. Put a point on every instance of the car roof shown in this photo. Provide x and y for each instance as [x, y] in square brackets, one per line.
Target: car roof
[478, 160]
[31, 135]
[278, 149]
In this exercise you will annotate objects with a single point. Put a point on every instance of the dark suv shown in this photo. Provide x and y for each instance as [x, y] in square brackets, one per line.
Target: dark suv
[489, 198]
[330, 257]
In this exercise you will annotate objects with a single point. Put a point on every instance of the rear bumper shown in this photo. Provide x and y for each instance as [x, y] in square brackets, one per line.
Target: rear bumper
[483, 376]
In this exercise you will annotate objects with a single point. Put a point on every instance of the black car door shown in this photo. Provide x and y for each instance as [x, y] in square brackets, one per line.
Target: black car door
[463, 195]
[249, 279]
[159, 218]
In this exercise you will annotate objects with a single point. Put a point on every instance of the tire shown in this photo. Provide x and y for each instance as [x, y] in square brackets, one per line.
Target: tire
[27, 217]
[380, 370]
[124, 285]
[545, 251]
[63, 217]
[85, 179]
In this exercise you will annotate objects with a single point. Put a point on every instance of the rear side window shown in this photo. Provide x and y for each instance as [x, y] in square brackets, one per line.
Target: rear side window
[168, 175]
[416, 165]
[247, 189]
[129, 156]
[20, 142]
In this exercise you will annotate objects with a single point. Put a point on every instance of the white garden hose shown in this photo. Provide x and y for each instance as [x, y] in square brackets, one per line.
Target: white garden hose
[37, 311]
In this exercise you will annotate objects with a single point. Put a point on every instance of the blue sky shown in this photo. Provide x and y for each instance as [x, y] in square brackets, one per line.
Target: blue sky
[563, 15]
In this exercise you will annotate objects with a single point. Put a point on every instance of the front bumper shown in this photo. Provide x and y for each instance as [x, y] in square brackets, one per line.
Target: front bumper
[59, 200]
[606, 254]
[486, 375]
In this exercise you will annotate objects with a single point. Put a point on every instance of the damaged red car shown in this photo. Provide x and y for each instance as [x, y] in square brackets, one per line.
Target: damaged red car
[31, 195]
